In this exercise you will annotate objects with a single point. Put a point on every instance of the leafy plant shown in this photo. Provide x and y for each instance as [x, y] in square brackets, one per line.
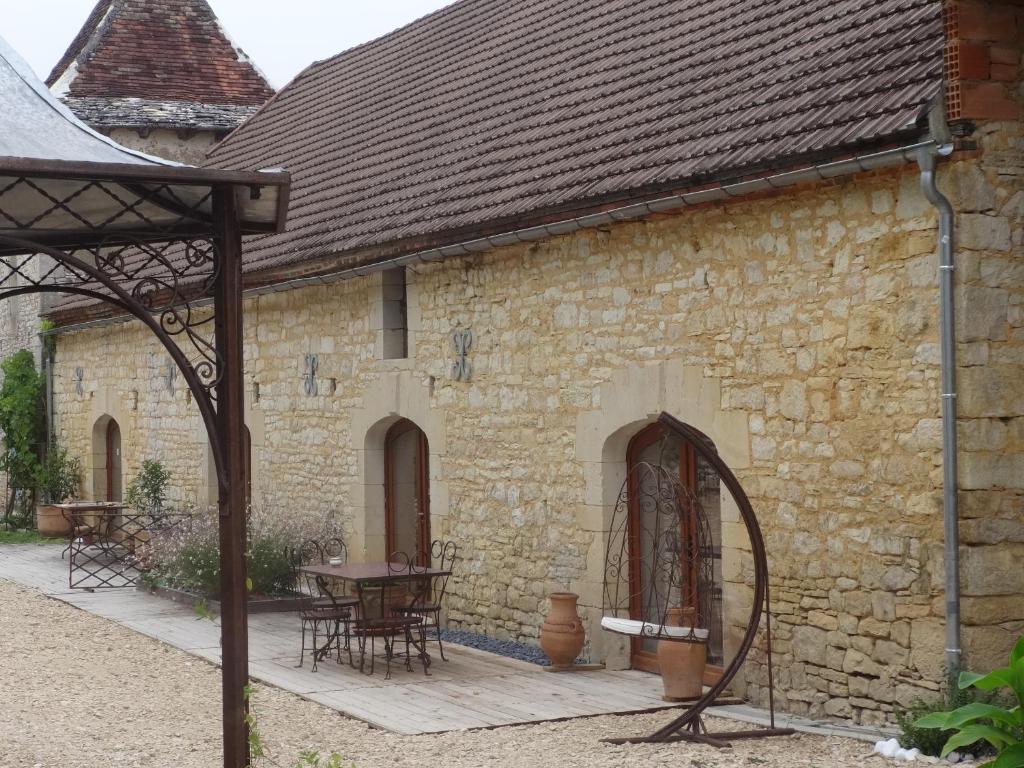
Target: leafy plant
[58, 475]
[188, 558]
[148, 490]
[22, 424]
[931, 740]
[1001, 727]
[310, 758]
[267, 564]
[49, 341]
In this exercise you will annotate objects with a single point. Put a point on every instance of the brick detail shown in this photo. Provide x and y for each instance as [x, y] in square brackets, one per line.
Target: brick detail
[983, 59]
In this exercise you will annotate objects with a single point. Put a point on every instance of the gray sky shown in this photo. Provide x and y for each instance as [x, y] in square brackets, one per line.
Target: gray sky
[281, 36]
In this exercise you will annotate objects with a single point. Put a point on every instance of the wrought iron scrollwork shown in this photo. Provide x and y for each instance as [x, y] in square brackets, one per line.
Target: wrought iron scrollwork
[171, 280]
[656, 569]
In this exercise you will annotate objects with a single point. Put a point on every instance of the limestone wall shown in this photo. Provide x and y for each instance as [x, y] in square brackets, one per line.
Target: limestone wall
[188, 148]
[798, 331]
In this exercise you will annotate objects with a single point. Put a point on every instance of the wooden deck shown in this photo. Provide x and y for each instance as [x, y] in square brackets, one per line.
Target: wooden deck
[473, 689]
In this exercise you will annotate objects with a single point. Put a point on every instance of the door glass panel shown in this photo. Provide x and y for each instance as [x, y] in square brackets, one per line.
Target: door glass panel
[676, 457]
[404, 497]
[654, 589]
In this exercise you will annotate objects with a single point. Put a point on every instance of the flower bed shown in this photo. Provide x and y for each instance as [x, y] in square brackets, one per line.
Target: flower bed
[184, 563]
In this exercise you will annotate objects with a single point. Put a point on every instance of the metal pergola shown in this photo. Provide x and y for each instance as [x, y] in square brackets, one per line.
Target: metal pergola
[160, 242]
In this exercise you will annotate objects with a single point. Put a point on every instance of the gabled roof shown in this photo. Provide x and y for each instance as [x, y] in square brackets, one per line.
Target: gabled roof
[159, 57]
[491, 114]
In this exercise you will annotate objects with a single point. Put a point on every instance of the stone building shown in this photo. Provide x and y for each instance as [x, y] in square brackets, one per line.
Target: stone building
[518, 232]
[160, 77]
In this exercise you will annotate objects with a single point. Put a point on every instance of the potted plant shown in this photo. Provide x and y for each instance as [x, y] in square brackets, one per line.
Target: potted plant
[58, 478]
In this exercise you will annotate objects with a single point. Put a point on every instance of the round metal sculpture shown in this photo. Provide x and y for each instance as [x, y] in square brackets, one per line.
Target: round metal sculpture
[670, 547]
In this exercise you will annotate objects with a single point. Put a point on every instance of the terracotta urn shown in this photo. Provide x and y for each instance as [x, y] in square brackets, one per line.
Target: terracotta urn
[51, 522]
[682, 662]
[561, 635]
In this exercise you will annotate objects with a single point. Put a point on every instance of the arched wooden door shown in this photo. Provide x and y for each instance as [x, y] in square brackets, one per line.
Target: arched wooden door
[113, 461]
[654, 445]
[407, 491]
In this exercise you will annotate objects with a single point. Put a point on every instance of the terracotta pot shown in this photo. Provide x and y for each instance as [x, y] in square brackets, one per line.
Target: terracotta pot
[682, 663]
[561, 635]
[50, 522]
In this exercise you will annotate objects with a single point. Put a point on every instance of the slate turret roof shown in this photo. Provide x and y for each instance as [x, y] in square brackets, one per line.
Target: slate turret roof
[157, 63]
[490, 115]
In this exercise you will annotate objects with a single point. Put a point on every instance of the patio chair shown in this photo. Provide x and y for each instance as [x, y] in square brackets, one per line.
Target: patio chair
[443, 554]
[381, 615]
[308, 553]
[324, 617]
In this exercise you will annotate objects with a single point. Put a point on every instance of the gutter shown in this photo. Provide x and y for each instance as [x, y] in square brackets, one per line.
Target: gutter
[926, 159]
[721, 192]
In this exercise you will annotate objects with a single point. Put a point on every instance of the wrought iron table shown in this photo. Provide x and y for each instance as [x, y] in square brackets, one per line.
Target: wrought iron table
[376, 575]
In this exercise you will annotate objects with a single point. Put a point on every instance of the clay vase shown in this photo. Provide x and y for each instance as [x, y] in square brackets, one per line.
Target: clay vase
[561, 635]
[50, 522]
[682, 663]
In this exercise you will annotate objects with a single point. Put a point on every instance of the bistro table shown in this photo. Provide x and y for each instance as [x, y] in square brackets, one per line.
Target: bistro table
[375, 575]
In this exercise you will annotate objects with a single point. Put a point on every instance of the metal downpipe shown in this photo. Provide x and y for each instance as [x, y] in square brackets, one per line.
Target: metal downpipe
[926, 159]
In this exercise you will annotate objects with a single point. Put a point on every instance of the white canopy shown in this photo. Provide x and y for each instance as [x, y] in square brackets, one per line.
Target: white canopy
[62, 183]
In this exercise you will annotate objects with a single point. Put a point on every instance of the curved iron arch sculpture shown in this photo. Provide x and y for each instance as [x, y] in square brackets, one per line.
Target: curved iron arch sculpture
[201, 377]
[689, 725]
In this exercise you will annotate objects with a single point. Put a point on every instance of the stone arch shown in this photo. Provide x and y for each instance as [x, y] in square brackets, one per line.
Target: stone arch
[106, 468]
[255, 425]
[631, 400]
[396, 396]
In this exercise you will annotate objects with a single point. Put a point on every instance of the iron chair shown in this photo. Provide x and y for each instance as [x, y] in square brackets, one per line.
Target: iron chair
[442, 553]
[382, 615]
[324, 617]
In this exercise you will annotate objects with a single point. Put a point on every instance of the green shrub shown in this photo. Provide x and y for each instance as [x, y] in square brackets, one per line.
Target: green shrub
[1001, 727]
[267, 564]
[930, 740]
[147, 492]
[58, 475]
[23, 428]
[187, 557]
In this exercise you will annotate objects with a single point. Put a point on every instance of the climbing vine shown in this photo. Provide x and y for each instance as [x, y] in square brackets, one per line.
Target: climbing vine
[24, 432]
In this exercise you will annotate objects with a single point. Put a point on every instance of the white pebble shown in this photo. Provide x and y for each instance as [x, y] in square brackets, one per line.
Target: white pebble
[887, 748]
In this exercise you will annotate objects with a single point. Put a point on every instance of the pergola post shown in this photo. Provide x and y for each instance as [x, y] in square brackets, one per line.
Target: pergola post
[231, 501]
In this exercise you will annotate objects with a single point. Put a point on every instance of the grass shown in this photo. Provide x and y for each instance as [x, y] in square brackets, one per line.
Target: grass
[25, 537]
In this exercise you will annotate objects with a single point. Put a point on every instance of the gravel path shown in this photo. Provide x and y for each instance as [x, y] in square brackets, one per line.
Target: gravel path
[77, 691]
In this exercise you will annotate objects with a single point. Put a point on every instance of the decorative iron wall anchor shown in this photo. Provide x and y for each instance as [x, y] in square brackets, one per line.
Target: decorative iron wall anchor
[462, 340]
[171, 376]
[310, 367]
[78, 379]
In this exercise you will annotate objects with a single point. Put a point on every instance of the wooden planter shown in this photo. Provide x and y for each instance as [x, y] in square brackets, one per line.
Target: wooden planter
[256, 603]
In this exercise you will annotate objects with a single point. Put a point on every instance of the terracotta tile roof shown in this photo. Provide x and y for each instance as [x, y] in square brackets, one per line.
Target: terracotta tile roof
[490, 114]
[158, 50]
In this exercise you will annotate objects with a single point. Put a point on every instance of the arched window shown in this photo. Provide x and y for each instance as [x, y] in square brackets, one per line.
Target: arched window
[654, 445]
[407, 490]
